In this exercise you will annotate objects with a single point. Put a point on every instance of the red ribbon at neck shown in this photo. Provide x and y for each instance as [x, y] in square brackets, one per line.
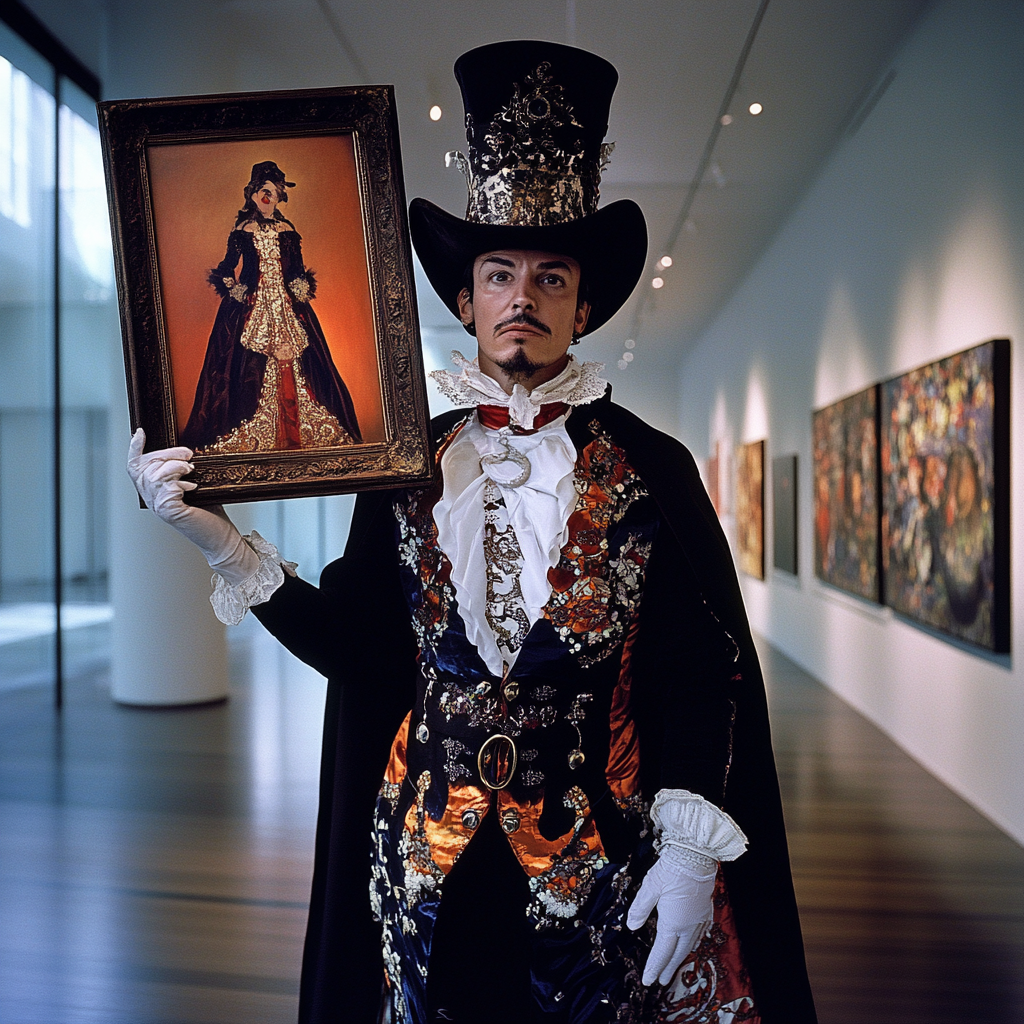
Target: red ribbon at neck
[494, 417]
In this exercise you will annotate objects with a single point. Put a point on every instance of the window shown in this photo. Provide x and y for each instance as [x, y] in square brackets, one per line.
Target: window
[58, 341]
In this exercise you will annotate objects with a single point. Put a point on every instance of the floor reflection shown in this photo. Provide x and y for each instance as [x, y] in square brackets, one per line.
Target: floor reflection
[155, 864]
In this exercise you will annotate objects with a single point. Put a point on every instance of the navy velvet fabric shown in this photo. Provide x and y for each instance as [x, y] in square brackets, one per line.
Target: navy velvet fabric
[229, 384]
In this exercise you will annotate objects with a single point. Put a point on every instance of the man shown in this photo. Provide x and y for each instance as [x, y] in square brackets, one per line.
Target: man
[543, 653]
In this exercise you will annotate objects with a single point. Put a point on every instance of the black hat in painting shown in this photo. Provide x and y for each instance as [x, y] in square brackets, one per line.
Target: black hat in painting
[265, 171]
[536, 116]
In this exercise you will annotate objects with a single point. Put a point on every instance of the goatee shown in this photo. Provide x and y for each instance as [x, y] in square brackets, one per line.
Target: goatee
[520, 367]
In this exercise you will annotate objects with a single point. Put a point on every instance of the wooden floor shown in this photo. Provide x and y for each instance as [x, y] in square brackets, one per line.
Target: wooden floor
[912, 903]
[154, 865]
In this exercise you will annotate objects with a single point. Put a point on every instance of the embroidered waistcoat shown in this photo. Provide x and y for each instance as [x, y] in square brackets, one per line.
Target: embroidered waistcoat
[550, 748]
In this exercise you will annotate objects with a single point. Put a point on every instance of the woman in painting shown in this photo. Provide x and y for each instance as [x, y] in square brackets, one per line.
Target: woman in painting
[268, 381]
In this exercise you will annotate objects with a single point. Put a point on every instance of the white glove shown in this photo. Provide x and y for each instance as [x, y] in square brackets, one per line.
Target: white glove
[157, 478]
[682, 891]
[693, 836]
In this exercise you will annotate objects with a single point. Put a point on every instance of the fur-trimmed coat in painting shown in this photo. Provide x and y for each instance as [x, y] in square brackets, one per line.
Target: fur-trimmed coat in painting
[231, 379]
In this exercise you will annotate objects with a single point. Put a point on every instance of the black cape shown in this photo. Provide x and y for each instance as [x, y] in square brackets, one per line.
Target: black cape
[702, 718]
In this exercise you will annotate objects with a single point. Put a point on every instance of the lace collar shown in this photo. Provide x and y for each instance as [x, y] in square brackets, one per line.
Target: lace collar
[578, 384]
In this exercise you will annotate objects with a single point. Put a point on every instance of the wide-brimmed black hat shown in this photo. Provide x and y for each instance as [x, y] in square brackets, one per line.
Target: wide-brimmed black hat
[264, 171]
[536, 117]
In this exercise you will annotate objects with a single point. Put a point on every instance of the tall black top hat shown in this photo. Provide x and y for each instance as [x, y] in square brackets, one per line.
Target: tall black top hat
[536, 115]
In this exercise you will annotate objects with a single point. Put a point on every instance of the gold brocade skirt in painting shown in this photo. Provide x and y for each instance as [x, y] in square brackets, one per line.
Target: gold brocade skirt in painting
[287, 416]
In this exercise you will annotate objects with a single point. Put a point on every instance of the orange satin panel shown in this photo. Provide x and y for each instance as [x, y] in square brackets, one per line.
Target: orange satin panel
[395, 773]
[623, 770]
[532, 850]
[448, 837]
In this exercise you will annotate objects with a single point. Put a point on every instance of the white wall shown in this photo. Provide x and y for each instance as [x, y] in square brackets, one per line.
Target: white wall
[909, 246]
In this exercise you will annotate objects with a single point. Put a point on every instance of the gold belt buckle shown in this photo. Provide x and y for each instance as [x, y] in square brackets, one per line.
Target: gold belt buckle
[496, 762]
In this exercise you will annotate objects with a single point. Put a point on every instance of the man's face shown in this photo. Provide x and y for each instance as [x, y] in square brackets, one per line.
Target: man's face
[525, 312]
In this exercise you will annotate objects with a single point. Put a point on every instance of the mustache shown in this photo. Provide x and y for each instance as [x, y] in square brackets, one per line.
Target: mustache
[522, 318]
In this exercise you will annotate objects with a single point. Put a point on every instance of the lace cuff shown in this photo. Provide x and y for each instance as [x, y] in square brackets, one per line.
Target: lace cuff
[697, 829]
[231, 601]
[300, 289]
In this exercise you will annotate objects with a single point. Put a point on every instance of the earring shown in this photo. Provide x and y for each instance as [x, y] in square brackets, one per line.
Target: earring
[575, 338]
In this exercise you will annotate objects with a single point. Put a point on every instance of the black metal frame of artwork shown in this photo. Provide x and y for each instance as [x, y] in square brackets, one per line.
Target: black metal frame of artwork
[785, 514]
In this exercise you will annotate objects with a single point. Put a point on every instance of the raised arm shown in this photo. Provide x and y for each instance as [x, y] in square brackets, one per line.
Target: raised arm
[358, 611]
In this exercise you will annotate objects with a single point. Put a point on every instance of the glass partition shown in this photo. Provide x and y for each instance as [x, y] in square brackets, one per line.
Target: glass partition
[58, 324]
[27, 265]
[88, 330]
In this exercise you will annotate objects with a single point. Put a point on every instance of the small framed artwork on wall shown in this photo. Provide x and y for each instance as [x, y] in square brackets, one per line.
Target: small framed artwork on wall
[846, 539]
[784, 513]
[750, 508]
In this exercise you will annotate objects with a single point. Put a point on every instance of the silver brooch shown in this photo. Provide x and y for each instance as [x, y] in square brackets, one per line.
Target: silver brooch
[509, 455]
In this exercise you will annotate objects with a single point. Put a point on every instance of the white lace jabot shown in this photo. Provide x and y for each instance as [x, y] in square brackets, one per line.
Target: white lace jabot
[538, 509]
[577, 384]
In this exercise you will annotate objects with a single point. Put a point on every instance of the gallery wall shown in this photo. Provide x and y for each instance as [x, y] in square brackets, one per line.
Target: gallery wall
[909, 247]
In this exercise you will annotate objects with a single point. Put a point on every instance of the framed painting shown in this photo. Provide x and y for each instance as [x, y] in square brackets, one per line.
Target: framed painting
[946, 495]
[846, 511]
[717, 477]
[266, 290]
[711, 481]
[784, 513]
[750, 508]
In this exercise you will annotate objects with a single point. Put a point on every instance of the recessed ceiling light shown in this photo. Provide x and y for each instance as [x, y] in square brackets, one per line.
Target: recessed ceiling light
[630, 343]
[726, 119]
[658, 283]
[623, 364]
[435, 113]
[665, 261]
[755, 108]
[628, 356]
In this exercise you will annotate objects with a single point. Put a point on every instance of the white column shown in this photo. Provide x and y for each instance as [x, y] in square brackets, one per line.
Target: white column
[167, 646]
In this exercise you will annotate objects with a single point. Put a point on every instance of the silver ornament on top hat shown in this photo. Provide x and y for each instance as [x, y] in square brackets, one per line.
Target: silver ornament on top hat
[528, 166]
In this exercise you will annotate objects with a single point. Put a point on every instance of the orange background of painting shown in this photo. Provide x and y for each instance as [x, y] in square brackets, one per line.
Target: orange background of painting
[196, 191]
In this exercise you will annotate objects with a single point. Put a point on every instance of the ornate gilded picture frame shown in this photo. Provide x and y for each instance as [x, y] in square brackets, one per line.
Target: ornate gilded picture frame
[266, 291]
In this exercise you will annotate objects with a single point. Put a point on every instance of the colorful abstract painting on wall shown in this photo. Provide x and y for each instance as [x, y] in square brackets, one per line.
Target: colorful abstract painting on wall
[845, 441]
[945, 490]
[750, 508]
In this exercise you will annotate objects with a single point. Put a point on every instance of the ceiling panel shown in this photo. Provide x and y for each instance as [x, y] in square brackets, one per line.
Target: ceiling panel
[811, 64]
